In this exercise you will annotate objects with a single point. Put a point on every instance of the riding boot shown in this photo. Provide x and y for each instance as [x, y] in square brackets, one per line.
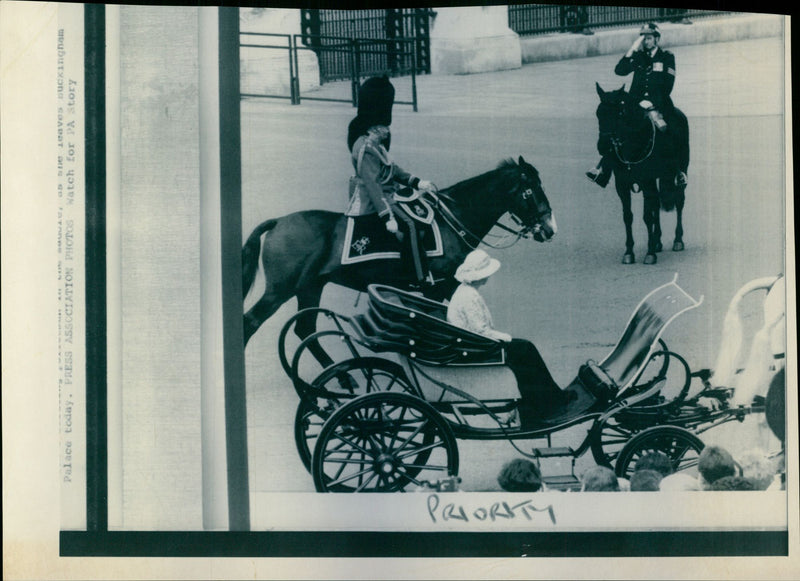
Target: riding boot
[601, 173]
[413, 256]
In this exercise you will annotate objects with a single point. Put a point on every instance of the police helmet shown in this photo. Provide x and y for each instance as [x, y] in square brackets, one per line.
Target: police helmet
[650, 28]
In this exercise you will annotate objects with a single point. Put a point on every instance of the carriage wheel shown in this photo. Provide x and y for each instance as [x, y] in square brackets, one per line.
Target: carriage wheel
[353, 377]
[365, 375]
[288, 343]
[383, 442]
[304, 368]
[307, 425]
[681, 445]
[609, 439]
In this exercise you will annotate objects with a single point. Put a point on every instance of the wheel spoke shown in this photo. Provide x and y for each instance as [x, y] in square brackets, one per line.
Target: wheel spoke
[419, 450]
[360, 474]
[364, 484]
[353, 444]
[412, 436]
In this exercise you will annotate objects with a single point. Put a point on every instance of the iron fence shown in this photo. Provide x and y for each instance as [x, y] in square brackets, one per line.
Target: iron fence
[532, 19]
[393, 28]
[358, 58]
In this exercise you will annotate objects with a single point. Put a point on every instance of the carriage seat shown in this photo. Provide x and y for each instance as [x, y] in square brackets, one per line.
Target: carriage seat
[417, 327]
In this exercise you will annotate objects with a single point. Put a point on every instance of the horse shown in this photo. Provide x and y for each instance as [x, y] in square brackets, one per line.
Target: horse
[645, 159]
[301, 252]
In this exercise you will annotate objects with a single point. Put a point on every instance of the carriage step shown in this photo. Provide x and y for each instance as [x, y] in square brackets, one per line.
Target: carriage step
[565, 482]
[553, 452]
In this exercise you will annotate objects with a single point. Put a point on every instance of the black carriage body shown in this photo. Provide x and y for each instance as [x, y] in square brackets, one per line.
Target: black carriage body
[403, 347]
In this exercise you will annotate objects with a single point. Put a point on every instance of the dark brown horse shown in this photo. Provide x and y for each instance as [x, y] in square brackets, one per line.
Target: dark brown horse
[643, 159]
[301, 252]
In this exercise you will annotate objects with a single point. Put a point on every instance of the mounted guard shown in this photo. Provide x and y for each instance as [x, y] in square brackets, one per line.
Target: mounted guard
[378, 184]
[653, 71]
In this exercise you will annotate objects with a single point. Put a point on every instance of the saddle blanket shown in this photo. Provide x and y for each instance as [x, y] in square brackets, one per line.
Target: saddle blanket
[366, 238]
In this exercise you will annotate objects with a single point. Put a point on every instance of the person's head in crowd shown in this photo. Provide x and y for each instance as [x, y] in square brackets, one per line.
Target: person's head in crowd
[657, 461]
[520, 475]
[600, 479]
[679, 482]
[645, 481]
[714, 463]
[758, 467]
[733, 483]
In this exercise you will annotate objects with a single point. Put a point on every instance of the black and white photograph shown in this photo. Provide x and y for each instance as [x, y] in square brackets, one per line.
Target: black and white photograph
[495, 286]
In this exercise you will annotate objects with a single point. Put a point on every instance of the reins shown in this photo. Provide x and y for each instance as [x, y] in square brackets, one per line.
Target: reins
[652, 142]
[457, 226]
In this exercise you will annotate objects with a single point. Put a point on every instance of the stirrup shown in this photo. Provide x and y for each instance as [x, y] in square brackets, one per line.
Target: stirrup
[681, 179]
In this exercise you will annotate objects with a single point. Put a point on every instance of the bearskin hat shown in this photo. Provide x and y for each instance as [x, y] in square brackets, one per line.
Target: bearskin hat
[375, 102]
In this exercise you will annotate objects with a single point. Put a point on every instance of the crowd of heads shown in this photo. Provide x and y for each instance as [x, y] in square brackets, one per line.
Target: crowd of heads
[717, 469]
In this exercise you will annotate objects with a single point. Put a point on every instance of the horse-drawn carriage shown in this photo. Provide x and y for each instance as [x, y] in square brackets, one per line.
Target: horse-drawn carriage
[405, 385]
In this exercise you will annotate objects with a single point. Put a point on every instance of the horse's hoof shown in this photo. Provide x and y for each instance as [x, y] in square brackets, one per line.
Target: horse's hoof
[650, 259]
[677, 246]
[659, 247]
[628, 258]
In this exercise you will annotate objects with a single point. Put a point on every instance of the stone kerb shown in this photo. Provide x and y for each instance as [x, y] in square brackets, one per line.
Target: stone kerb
[265, 71]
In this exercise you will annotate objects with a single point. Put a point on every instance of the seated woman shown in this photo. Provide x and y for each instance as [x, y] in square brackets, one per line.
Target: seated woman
[541, 395]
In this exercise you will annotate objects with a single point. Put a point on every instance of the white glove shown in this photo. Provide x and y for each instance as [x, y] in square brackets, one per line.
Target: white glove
[391, 225]
[645, 104]
[426, 186]
[635, 46]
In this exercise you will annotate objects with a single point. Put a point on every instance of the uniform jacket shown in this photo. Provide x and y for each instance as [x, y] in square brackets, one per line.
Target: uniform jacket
[653, 76]
[377, 176]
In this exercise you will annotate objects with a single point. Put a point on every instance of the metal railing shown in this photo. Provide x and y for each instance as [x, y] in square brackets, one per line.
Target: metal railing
[362, 57]
[532, 19]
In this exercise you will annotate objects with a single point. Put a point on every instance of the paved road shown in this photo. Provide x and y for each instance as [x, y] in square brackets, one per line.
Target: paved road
[572, 296]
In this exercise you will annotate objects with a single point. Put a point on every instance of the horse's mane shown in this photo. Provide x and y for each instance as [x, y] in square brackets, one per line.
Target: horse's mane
[468, 184]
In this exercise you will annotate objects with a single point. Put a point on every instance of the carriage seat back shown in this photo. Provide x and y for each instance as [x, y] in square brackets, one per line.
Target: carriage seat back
[640, 338]
[417, 328]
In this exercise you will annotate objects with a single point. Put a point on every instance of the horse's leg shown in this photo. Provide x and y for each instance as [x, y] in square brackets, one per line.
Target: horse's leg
[264, 308]
[309, 297]
[657, 246]
[651, 208]
[677, 245]
[624, 192]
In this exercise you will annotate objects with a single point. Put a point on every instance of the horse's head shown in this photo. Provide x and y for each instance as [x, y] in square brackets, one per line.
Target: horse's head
[622, 121]
[611, 116]
[529, 204]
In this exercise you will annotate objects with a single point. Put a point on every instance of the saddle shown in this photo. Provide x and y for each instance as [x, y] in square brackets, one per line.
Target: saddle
[366, 237]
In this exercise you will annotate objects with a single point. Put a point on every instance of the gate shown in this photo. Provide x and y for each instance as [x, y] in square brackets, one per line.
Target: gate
[394, 41]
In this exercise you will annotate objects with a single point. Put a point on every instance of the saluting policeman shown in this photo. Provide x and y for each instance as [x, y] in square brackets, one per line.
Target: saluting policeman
[653, 71]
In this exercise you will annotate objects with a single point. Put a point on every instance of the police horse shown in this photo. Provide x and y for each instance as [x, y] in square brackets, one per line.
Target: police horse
[302, 252]
[644, 159]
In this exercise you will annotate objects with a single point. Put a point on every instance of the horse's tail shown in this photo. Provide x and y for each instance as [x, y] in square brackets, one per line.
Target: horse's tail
[250, 254]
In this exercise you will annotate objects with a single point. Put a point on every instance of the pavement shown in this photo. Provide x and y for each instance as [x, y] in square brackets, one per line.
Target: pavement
[560, 58]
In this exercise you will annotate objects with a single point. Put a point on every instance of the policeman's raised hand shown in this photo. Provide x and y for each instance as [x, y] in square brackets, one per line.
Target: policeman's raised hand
[427, 186]
[637, 43]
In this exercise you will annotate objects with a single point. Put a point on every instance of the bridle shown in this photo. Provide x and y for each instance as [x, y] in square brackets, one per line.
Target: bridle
[616, 143]
[472, 240]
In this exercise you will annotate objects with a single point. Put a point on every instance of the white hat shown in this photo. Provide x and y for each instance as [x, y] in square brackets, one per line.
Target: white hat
[477, 266]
